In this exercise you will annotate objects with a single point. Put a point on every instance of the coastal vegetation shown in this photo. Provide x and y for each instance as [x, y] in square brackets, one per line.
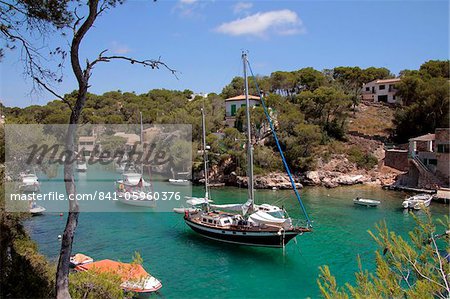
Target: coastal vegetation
[405, 268]
[19, 20]
[313, 111]
[25, 273]
[426, 94]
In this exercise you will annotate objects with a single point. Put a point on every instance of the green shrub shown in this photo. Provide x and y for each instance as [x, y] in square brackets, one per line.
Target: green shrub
[92, 286]
[361, 159]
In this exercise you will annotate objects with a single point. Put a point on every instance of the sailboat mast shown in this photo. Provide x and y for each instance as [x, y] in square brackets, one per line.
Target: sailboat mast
[142, 141]
[205, 155]
[249, 134]
[142, 129]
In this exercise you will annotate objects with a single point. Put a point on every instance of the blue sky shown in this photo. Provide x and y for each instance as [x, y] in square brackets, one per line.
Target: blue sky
[203, 41]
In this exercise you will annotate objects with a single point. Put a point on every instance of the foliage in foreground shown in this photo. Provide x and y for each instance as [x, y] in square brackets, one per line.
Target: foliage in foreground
[405, 269]
[89, 285]
[99, 285]
[24, 272]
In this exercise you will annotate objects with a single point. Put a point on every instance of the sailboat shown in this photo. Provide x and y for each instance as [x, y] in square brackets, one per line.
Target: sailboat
[29, 182]
[247, 223]
[132, 189]
[195, 204]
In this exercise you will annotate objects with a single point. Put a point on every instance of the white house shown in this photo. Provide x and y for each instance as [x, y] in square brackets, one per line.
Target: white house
[381, 91]
[233, 104]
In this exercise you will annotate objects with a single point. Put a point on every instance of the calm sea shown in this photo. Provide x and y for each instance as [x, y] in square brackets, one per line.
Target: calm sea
[191, 266]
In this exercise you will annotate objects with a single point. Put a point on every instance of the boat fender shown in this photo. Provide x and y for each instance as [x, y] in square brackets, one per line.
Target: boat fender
[186, 213]
[121, 187]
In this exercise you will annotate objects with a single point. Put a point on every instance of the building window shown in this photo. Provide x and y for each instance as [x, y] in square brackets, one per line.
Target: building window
[382, 87]
[432, 161]
[443, 148]
[243, 105]
[367, 88]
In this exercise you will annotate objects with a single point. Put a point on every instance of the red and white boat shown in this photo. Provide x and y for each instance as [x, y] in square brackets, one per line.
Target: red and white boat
[134, 277]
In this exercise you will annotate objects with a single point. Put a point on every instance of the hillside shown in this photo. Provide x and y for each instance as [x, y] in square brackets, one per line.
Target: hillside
[372, 119]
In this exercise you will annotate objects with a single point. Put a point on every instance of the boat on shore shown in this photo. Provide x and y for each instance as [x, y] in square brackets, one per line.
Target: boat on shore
[366, 202]
[418, 201]
[133, 276]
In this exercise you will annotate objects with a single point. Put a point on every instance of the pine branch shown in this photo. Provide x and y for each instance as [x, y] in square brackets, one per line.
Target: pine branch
[152, 63]
[42, 84]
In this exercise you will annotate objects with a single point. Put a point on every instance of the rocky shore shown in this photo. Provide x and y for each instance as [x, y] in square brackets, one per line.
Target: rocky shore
[329, 179]
[335, 171]
[338, 171]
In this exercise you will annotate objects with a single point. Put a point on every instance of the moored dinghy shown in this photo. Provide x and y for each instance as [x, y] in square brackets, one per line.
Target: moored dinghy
[418, 201]
[36, 209]
[366, 202]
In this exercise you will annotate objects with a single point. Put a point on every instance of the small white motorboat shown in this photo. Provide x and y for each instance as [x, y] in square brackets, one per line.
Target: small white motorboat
[418, 201]
[35, 209]
[366, 202]
[81, 166]
[179, 182]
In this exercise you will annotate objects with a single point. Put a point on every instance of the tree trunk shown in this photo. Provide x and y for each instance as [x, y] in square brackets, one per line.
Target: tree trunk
[62, 273]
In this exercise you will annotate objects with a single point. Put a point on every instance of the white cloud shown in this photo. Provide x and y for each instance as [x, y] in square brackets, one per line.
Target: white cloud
[187, 8]
[241, 7]
[118, 48]
[281, 22]
[188, 1]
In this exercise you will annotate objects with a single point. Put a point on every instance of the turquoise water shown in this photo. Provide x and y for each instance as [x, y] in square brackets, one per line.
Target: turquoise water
[190, 266]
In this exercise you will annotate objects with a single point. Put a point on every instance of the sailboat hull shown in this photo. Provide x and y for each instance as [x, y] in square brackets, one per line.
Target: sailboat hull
[274, 239]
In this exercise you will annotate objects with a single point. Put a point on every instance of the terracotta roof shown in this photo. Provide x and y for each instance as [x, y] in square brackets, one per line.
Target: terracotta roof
[393, 80]
[125, 271]
[384, 81]
[242, 97]
[427, 137]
